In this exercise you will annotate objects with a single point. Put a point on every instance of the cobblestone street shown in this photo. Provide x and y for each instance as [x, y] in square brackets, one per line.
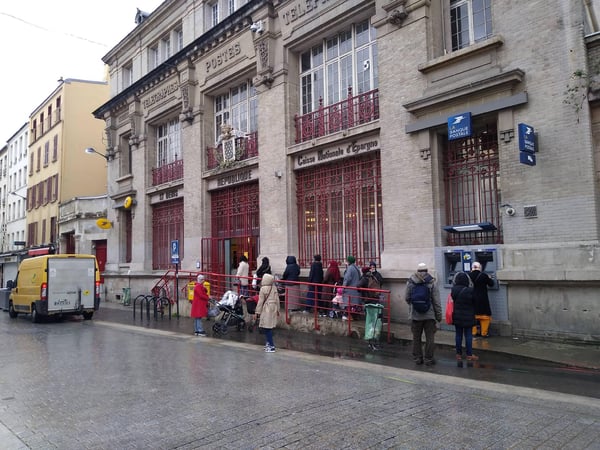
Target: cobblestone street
[102, 385]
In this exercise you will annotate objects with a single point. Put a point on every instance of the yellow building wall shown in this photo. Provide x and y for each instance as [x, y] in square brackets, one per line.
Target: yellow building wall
[79, 174]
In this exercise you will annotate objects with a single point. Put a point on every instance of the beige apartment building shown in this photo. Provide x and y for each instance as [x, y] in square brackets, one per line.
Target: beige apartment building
[399, 132]
[59, 169]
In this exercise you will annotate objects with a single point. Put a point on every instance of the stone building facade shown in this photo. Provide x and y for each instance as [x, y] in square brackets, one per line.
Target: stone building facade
[399, 132]
[13, 190]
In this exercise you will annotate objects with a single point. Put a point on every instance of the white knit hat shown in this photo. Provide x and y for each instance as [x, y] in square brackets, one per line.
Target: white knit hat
[422, 267]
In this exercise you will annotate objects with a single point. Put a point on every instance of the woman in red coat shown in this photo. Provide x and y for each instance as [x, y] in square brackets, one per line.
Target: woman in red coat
[199, 306]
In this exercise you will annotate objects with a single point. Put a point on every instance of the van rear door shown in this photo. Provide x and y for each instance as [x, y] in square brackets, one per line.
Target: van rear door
[71, 284]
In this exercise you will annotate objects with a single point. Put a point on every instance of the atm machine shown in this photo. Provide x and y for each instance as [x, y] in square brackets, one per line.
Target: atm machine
[461, 260]
[489, 263]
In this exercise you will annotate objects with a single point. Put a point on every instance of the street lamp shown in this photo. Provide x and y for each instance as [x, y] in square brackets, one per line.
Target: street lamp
[18, 195]
[91, 150]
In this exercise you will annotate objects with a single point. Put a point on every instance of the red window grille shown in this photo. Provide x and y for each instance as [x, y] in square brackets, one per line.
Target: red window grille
[472, 184]
[235, 218]
[127, 250]
[234, 211]
[340, 211]
[167, 225]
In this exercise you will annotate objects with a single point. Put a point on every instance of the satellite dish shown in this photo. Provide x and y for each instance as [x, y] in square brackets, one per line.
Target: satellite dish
[104, 223]
[129, 202]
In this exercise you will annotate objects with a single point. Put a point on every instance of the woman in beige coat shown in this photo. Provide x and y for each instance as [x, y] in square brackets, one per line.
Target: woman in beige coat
[267, 309]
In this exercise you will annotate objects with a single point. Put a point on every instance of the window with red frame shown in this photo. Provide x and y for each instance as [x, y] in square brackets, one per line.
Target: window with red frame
[167, 225]
[340, 210]
[472, 185]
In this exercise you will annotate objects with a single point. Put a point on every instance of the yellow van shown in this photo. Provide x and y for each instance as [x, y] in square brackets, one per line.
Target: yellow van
[56, 285]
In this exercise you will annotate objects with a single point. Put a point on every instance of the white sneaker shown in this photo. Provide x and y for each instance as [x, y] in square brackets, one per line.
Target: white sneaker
[344, 317]
[269, 349]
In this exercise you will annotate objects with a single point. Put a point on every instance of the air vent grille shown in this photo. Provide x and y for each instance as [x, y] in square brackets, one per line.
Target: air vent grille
[530, 212]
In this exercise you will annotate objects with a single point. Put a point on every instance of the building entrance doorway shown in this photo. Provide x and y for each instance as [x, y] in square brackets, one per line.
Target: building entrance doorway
[235, 229]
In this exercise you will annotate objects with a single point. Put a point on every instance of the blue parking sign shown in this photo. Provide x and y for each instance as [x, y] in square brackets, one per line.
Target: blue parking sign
[175, 251]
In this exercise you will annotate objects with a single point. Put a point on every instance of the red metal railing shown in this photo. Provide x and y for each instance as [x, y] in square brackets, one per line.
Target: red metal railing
[292, 294]
[353, 111]
[168, 172]
[247, 147]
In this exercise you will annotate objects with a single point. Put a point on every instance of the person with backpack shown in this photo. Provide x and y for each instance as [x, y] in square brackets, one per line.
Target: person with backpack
[463, 316]
[425, 311]
[369, 281]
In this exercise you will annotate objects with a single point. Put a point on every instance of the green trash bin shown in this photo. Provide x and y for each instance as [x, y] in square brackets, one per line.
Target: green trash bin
[126, 296]
[373, 319]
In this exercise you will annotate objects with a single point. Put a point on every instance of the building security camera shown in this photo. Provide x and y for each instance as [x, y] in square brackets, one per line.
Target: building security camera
[510, 211]
[256, 27]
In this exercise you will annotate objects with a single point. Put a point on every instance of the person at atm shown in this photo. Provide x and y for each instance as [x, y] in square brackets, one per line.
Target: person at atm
[483, 311]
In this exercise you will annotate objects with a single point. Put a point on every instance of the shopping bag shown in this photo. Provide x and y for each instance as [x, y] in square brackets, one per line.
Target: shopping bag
[449, 309]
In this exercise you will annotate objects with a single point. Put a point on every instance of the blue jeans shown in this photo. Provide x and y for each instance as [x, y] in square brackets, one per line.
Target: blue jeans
[468, 334]
[269, 336]
[198, 325]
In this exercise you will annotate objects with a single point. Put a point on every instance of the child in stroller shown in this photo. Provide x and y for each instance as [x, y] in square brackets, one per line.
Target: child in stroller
[232, 313]
[338, 303]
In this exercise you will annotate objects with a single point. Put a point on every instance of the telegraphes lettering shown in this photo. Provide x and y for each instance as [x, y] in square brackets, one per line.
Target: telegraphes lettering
[161, 94]
[300, 9]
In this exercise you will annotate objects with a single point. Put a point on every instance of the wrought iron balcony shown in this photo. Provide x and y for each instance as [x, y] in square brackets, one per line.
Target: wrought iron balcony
[353, 111]
[168, 172]
[246, 147]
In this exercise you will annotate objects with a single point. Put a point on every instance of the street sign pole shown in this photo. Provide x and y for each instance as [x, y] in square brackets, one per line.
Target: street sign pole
[175, 260]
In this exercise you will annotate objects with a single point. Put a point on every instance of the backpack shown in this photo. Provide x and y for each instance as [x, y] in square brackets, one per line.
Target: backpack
[420, 298]
[373, 284]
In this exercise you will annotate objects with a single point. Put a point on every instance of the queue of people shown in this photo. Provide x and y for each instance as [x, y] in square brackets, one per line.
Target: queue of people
[340, 295]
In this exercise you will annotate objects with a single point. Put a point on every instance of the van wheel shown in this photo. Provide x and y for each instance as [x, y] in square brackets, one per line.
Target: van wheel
[35, 317]
[87, 315]
[11, 311]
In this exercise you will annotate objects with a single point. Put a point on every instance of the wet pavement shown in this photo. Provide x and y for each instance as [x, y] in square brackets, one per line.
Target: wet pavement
[116, 382]
[569, 354]
[567, 368]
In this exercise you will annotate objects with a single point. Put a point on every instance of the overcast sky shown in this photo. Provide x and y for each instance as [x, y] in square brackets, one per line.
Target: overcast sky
[44, 40]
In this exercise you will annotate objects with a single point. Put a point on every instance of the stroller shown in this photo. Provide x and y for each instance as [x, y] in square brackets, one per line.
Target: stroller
[251, 303]
[232, 314]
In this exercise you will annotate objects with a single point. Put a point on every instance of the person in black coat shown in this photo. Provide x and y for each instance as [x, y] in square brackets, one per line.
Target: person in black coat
[313, 296]
[463, 316]
[292, 273]
[483, 311]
